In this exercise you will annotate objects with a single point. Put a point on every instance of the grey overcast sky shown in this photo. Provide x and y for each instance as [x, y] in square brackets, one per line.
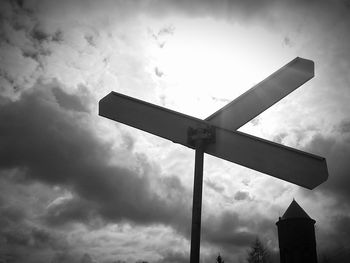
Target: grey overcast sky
[75, 187]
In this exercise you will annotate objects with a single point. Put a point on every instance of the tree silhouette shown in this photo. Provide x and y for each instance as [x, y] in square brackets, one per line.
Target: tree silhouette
[258, 253]
[219, 259]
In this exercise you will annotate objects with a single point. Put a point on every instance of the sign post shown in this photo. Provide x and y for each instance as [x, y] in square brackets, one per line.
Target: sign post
[199, 138]
[197, 201]
[217, 135]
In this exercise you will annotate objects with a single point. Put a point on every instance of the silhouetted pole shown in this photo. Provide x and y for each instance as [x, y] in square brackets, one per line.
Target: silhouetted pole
[198, 138]
[197, 201]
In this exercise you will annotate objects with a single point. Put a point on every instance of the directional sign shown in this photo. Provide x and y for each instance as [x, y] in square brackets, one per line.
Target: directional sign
[217, 135]
[263, 95]
[283, 162]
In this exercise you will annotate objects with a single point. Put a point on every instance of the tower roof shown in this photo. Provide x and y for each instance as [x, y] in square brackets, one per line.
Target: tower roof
[295, 211]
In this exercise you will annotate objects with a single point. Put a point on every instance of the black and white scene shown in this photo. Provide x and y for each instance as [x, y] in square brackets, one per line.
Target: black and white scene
[173, 131]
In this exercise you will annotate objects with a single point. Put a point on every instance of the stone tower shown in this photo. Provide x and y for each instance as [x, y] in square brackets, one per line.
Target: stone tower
[296, 236]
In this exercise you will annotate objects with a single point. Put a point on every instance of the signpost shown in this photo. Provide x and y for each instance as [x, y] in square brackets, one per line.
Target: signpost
[217, 135]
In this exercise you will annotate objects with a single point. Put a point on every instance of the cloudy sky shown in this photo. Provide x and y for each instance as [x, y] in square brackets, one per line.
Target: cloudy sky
[76, 187]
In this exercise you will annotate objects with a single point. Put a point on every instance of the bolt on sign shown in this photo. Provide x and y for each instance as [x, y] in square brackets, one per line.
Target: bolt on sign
[217, 135]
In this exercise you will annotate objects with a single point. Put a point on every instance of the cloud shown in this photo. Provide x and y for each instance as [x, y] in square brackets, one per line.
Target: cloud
[19, 237]
[162, 36]
[220, 9]
[213, 185]
[45, 134]
[46, 138]
[158, 72]
[288, 42]
[333, 214]
[11, 215]
[336, 150]
[39, 35]
[68, 102]
[267, 11]
[229, 230]
[344, 127]
[242, 195]
[174, 257]
[86, 258]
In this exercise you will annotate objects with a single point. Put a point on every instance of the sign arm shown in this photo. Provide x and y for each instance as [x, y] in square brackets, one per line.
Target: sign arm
[286, 163]
[283, 162]
[263, 95]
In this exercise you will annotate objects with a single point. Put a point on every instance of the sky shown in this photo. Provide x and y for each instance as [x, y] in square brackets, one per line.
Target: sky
[76, 187]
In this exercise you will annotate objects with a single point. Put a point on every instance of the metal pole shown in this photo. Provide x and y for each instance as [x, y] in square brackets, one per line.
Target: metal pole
[197, 202]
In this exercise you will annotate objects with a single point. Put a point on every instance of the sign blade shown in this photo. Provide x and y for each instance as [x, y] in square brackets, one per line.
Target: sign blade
[283, 162]
[288, 164]
[263, 95]
[148, 117]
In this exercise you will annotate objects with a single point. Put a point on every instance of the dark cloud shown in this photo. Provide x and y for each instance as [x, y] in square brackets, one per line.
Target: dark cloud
[52, 145]
[213, 185]
[338, 250]
[69, 102]
[225, 230]
[255, 121]
[72, 210]
[336, 150]
[128, 142]
[218, 9]
[343, 127]
[280, 137]
[342, 228]
[19, 238]
[58, 36]
[169, 30]
[158, 72]
[242, 195]
[174, 257]
[287, 42]
[295, 12]
[62, 257]
[46, 139]
[339, 255]
[86, 258]
[39, 35]
[20, 18]
[161, 36]
[10, 215]
[90, 39]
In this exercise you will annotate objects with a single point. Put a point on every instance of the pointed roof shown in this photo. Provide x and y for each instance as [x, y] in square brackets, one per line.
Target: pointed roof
[295, 211]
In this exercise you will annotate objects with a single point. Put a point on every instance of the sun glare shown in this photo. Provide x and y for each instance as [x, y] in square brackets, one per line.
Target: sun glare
[207, 63]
